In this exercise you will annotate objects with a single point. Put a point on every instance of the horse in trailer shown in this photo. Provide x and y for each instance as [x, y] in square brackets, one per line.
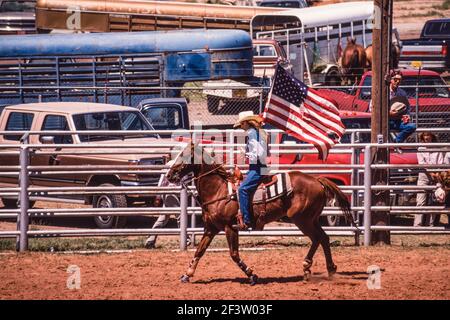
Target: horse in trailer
[394, 58]
[353, 62]
[303, 205]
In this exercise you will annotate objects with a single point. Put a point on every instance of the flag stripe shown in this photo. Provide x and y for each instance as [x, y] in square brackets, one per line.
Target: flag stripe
[320, 146]
[301, 127]
[332, 123]
[335, 126]
[303, 112]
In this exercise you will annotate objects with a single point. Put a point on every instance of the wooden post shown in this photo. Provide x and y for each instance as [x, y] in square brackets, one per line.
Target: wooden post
[380, 113]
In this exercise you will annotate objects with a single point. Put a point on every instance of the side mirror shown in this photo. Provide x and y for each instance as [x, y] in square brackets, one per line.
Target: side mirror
[47, 140]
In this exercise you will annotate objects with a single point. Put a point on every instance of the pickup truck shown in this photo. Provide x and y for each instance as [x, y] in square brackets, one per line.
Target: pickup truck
[433, 101]
[431, 49]
[78, 116]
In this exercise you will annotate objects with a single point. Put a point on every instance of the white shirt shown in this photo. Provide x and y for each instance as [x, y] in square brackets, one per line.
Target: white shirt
[424, 157]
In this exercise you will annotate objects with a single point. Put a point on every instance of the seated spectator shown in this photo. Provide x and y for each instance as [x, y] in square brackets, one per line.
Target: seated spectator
[400, 110]
[428, 177]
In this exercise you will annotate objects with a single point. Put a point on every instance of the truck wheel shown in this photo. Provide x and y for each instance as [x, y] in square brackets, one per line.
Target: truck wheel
[332, 221]
[110, 201]
[213, 104]
[12, 203]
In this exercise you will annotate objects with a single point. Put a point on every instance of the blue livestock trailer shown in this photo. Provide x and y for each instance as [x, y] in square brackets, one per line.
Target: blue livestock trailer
[119, 68]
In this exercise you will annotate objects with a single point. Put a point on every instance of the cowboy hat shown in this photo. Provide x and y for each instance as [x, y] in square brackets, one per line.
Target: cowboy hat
[247, 116]
[399, 104]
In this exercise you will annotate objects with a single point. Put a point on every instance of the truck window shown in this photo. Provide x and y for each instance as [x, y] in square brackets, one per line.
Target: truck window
[57, 123]
[437, 28]
[106, 121]
[432, 86]
[18, 121]
[356, 123]
[264, 51]
[366, 93]
[166, 118]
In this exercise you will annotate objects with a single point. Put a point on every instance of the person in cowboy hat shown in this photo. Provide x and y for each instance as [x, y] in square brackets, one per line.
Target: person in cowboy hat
[256, 153]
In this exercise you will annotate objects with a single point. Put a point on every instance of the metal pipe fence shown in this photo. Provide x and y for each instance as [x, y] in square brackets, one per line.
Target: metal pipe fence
[360, 193]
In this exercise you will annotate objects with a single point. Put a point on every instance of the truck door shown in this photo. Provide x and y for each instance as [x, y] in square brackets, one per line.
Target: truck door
[363, 95]
[166, 116]
[51, 122]
[15, 121]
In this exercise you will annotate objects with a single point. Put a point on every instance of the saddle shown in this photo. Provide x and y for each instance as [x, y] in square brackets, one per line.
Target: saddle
[271, 188]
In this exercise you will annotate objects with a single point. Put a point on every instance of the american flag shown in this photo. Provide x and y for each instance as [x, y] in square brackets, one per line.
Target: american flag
[303, 112]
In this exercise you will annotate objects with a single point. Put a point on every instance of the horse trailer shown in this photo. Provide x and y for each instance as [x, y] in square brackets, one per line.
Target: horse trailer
[118, 68]
[314, 37]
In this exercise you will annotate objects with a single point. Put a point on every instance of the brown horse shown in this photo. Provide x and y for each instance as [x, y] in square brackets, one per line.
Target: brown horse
[303, 206]
[395, 56]
[353, 61]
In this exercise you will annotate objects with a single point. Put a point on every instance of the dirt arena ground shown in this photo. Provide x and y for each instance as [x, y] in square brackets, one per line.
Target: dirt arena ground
[408, 273]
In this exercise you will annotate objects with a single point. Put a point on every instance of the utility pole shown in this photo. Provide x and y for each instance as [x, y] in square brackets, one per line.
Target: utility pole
[381, 41]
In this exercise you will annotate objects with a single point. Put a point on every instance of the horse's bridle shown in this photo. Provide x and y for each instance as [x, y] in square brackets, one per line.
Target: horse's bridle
[187, 181]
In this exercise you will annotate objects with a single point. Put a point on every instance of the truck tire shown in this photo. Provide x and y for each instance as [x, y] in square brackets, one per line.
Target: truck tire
[110, 201]
[12, 203]
[332, 221]
[213, 104]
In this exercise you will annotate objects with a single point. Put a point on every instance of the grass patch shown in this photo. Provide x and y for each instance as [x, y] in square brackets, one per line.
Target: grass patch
[444, 6]
[76, 244]
[194, 95]
[426, 14]
[172, 243]
[7, 244]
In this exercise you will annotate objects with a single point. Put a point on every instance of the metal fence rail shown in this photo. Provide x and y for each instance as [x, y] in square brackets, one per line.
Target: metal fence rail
[360, 193]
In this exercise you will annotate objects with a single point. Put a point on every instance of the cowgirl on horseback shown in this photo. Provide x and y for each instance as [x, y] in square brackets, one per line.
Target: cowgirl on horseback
[256, 153]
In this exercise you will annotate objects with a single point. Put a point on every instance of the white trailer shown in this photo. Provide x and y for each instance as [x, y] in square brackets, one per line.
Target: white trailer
[312, 36]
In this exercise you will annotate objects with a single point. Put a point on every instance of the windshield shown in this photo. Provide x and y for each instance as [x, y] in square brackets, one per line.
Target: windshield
[437, 28]
[17, 6]
[428, 85]
[431, 86]
[356, 123]
[106, 121]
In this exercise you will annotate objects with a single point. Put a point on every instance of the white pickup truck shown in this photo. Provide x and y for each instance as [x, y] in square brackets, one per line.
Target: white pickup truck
[81, 116]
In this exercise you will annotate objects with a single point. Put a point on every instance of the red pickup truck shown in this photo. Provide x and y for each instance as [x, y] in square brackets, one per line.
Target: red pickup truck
[434, 95]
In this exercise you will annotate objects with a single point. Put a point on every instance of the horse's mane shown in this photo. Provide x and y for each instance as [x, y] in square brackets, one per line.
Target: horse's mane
[211, 163]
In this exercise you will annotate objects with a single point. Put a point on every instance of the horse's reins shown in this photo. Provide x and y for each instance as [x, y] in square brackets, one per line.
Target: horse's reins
[183, 183]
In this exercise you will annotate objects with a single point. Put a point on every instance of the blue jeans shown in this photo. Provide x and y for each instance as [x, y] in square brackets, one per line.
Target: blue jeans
[405, 129]
[247, 189]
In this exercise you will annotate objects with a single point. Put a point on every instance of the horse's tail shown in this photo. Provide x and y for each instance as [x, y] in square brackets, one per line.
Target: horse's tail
[333, 190]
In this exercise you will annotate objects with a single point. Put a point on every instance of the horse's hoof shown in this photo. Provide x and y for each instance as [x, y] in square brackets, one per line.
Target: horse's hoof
[307, 276]
[253, 279]
[332, 270]
[184, 278]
